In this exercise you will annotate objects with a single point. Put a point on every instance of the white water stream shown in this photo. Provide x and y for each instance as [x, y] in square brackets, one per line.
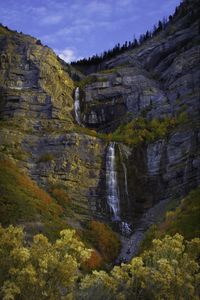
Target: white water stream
[113, 198]
[112, 185]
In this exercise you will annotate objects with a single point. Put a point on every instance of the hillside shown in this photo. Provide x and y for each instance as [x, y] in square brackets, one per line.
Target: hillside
[38, 130]
[146, 100]
[107, 147]
[100, 165]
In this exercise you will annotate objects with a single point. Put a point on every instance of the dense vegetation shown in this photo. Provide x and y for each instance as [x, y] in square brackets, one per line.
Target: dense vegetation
[140, 130]
[41, 270]
[22, 201]
[183, 220]
[44, 270]
[104, 239]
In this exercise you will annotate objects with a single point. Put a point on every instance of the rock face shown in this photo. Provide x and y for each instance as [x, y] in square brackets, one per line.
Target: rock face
[37, 122]
[158, 79]
[33, 83]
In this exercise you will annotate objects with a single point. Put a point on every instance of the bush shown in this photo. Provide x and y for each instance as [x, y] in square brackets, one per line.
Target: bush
[168, 271]
[141, 130]
[95, 262]
[22, 201]
[42, 270]
[61, 195]
[104, 239]
[183, 220]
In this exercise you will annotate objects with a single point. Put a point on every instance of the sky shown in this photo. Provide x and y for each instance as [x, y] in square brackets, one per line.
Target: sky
[80, 28]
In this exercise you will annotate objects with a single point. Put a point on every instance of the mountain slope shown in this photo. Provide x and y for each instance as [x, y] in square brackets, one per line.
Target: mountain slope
[37, 121]
[148, 91]
[152, 92]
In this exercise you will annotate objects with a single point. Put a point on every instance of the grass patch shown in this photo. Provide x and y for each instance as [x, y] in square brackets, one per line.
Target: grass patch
[112, 70]
[86, 81]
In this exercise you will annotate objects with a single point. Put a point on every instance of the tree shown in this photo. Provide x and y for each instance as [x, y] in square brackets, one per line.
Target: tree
[42, 270]
[169, 270]
[104, 239]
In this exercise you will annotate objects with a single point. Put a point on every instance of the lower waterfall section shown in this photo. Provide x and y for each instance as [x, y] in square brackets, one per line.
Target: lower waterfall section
[111, 183]
[112, 190]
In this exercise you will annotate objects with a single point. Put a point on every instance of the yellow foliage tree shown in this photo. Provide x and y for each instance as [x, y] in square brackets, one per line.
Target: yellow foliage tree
[41, 270]
[168, 271]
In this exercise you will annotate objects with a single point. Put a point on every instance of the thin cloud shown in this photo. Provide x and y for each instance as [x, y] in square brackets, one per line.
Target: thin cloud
[83, 27]
[68, 54]
[51, 20]
[99, 8]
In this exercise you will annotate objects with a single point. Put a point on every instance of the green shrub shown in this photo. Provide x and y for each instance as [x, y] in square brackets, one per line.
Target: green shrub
[86, 81]
[184, 220]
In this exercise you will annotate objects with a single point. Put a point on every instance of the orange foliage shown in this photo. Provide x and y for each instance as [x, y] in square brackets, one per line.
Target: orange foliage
[32, 186]
[95, 262]
[60, 195]
[24, 181]
[105, 240]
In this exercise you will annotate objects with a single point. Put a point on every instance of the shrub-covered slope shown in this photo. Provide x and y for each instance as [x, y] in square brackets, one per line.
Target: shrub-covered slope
[185, 220]
[23, 202]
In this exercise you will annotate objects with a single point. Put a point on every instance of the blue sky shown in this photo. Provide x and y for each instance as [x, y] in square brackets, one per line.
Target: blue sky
[80, 28]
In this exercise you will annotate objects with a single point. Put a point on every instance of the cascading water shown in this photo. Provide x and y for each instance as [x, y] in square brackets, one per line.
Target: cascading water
[77, 106]
[125, 228]
[113, 199]
[125, 178]
[112, 186]
[125, 173]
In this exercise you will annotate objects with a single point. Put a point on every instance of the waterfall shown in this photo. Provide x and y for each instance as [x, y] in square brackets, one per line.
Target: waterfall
[125, 228]
[125, 178]
[112, 186]
[113, 195]
[77, 106]
[125, 174]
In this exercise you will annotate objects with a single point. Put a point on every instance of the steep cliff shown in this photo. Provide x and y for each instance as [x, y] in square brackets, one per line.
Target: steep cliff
[38, 129]
[158, 78]
[148, 88]
[146, 100]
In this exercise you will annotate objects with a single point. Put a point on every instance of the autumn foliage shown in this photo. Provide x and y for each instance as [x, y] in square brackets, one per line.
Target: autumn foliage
[168, 271]
[95, 261]
[61, 196]
[23, 201]
[104, 239]
[42, 270]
